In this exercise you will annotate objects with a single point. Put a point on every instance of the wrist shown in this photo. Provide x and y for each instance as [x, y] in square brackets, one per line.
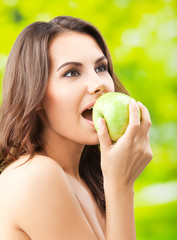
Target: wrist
[114, 187]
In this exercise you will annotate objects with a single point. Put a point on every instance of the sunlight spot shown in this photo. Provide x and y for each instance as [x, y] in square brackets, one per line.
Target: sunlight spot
[156, 194]
[73, 4]
[10, 2]
[167, 1]
[122, 3]
[131, 37]
[44, 17]
[168, 30]
[148, 22]
[156, 52]
[171, 65]
[3, 60]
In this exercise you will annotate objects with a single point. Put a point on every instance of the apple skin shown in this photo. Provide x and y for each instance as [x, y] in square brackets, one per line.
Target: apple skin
[114, 108]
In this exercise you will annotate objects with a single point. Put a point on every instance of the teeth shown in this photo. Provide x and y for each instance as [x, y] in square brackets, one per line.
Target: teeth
[90, 108]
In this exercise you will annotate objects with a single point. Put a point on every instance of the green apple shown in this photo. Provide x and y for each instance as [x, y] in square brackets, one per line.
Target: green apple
[114, 108]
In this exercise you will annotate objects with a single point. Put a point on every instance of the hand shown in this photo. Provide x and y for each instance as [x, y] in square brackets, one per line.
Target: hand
[124, 161]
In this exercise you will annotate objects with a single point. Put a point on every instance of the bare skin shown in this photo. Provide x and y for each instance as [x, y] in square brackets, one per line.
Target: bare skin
[16, 179]
[45, 197]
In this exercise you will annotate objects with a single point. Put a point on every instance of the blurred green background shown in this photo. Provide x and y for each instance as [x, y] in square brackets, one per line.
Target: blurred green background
[142, 38]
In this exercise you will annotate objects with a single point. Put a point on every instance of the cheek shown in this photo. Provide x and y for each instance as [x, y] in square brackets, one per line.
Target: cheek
[53, 102]
[110, 84]
[59, 103]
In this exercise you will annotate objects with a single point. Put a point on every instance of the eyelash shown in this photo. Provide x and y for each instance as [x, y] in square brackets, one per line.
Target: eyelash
[76, 72]
[104, 67]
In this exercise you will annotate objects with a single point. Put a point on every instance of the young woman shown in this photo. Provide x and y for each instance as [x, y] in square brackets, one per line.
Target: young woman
[55, 183]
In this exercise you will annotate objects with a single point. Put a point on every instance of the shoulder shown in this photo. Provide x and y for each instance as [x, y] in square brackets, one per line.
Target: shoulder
[27, 182]
[41, 179]
[28, 169]
[45, 193]
[43, 173]
[43, 203]
[34, 188]
[31, 175]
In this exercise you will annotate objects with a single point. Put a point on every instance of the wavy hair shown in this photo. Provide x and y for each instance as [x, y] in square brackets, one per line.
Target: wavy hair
[25, 83]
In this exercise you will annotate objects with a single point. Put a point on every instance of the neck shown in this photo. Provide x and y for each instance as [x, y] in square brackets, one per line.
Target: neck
[64, 151]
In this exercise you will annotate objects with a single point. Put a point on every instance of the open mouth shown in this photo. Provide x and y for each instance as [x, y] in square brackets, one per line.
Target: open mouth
[87, 114]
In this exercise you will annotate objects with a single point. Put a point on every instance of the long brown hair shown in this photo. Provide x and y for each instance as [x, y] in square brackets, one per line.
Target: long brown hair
[25, 82]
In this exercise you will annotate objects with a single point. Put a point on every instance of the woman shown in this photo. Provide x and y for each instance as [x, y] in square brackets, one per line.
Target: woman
[55, 183]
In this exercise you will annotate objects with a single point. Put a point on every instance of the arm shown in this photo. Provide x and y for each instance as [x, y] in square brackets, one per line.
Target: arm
[121, 164]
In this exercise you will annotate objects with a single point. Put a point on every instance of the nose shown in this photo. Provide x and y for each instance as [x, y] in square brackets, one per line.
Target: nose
[95, 84]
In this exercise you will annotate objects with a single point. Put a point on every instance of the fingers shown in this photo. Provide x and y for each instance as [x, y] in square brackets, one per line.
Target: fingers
[134, 121]
[103, 134]
[137, 131]
[145, 122]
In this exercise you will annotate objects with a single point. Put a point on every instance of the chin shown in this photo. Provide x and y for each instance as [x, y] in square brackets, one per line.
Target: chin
[92, 141]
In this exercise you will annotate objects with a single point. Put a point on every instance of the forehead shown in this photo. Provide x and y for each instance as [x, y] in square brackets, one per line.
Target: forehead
[72, 46]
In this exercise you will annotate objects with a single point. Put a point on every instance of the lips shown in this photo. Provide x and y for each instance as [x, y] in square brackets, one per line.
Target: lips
[87, 112]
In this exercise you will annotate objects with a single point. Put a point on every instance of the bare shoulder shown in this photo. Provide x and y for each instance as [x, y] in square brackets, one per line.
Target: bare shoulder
[27, 174]
[39, 190]
[25, 163]
[30, 177]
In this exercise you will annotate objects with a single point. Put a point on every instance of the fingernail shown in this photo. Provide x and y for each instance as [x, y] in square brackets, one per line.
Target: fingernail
[133, 102]
[139, 103]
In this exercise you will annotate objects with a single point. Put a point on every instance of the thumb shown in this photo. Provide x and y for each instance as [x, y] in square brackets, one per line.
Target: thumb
[103, 134]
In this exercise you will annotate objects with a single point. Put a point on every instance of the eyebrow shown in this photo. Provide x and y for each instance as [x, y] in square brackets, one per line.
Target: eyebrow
[80, 64]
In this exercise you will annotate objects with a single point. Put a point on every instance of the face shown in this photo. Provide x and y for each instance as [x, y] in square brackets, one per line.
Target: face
[78, 76]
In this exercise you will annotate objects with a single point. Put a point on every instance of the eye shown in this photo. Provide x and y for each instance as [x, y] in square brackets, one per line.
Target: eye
[71, 73]
[102, 68]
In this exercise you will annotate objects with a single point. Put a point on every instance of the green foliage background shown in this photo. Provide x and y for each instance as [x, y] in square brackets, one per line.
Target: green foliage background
[142, 38]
